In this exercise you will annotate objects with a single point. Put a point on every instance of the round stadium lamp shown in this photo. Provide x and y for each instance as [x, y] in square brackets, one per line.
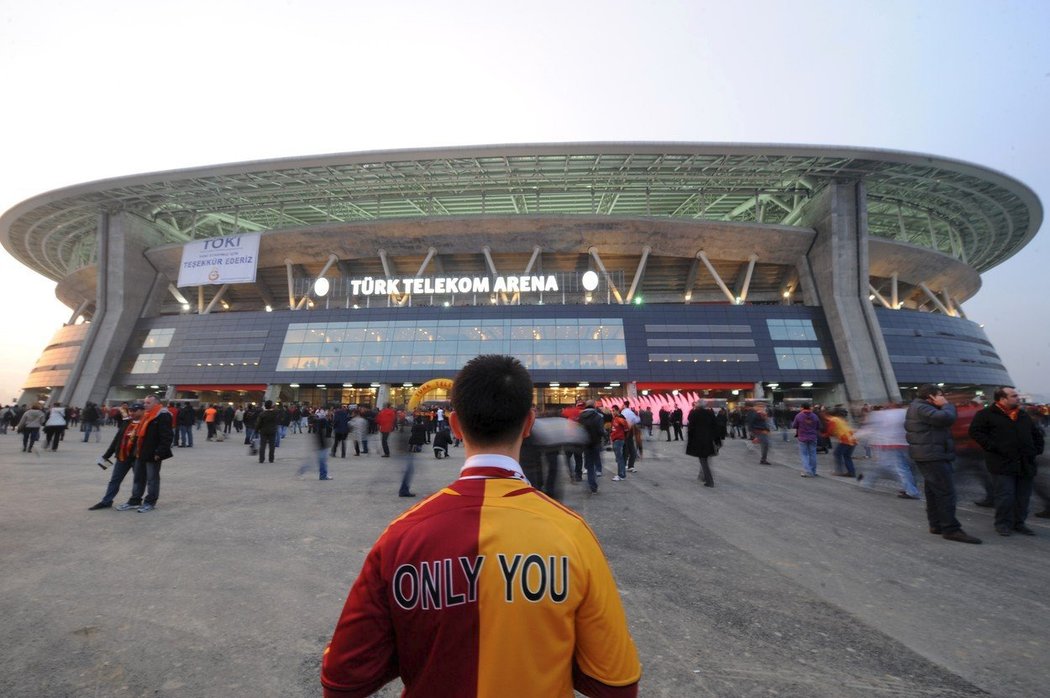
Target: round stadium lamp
[185, 307]
[637, 300]
[589, 280]
[269, 308]
[321, 287]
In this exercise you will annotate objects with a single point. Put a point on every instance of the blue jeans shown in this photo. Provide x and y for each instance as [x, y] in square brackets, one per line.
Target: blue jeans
[186, 434]
[410, 469]
[892, 460]
[904, 473]
[939, 484]
[322, 463]
[621, 462]
[808, 451]
[592, 460]
[1012, 493]
[844, 458]
[147, 479]
[120, 470]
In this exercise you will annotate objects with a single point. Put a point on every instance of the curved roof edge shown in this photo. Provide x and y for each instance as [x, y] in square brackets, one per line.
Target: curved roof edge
[1024, 193]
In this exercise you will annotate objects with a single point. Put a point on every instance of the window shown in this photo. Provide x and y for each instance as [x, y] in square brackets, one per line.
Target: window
[405, 344]
[802, 358]
[148, 363]
[792, 330]
[158, 337]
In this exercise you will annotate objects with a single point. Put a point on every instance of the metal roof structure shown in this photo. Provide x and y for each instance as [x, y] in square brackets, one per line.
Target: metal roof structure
[971, 213]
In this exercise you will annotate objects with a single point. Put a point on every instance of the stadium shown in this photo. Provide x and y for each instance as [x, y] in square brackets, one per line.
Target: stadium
[647, 270]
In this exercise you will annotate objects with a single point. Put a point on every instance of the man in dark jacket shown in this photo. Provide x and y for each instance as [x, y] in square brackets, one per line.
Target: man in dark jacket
[592, 420]
[152, 448]
[928, 428]
[703, 439]
[1011, 441]
[266, 425]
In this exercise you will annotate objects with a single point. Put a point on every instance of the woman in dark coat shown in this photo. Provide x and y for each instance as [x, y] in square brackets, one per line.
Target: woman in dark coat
[703, 439]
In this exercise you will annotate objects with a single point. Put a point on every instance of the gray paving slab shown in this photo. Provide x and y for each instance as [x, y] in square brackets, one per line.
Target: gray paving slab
[766, 584]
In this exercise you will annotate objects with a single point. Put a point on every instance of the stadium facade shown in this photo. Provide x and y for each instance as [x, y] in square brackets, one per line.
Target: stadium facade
[764, 271]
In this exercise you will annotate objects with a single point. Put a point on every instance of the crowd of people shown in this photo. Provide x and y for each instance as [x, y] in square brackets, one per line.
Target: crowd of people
[881, 432]
[509, 452]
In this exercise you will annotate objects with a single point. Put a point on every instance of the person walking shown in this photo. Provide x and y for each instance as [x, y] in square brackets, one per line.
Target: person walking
[758, 425]
[847, 442]
[619, 435]
[703, 439]
[340, 429]
[359, 433]
[592, 420]
[29, 425]
[927, 426]
[55, 426]
[525, 583]
[91, 417]
[386, 420]
[319, 436]
[632, 438]
[187, 417]
[884, 431]
[664, 420]
[807, 431]
[1011, 442]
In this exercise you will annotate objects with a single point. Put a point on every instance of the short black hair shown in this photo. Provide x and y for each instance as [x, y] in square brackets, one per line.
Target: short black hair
[1000, 392]
[928, 390]
[492, 397]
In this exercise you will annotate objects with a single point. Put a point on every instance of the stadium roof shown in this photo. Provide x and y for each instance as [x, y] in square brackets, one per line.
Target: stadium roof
[972, 213]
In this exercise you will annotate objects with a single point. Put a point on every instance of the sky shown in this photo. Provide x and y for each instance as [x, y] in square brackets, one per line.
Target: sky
[107, 88]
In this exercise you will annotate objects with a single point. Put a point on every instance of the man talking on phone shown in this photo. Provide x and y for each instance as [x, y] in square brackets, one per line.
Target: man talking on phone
[928, 427]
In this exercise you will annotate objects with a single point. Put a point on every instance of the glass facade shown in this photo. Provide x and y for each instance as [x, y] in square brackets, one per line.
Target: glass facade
[801, 358]
[791, 329]
[148, 363]
[392, 345]
[159, 337]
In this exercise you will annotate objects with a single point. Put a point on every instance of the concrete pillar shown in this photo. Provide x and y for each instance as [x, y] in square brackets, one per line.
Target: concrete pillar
[838, 261]
[382, 395]
[126, 290]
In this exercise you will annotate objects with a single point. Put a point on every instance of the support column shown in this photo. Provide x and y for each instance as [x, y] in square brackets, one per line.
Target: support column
[838, 260]
[128, 288]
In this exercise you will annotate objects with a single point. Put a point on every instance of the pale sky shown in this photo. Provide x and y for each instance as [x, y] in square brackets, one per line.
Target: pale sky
[105, 88]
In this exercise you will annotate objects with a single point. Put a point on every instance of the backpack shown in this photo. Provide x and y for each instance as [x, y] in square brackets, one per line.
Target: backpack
[593, 421]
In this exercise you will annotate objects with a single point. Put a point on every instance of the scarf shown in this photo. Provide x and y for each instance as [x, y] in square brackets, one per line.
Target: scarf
[141, 431]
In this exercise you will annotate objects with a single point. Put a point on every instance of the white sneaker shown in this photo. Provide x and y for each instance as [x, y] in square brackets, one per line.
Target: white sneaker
[617, 478]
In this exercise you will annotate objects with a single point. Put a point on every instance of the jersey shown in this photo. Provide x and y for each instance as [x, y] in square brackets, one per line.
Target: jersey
[486, 588]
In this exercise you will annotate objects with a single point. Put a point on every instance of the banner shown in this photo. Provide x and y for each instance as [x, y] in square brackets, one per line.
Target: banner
[227, 260]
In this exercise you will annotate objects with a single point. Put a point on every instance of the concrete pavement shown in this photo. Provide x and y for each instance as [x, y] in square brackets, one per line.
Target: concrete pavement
[766, 584]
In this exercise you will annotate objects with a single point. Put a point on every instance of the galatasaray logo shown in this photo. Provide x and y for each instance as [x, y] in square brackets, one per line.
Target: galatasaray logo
[213, 275]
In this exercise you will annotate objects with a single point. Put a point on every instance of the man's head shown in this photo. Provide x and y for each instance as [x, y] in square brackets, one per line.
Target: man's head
[1007, 397]
[492, 399]
[135, 409]
[268, 404]
[150, 402]
[928, 391]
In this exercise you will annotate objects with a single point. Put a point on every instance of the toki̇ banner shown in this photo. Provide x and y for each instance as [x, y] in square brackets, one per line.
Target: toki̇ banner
[226, 260]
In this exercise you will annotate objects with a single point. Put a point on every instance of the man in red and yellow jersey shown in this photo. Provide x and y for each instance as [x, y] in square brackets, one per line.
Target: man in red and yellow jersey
[488, 587]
